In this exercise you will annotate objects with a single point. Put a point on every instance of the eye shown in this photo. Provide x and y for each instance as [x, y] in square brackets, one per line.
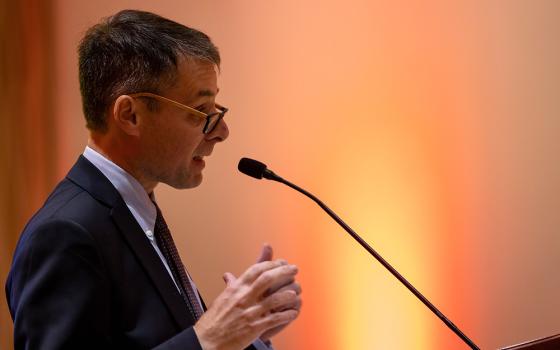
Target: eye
[195, 120]
[206, 108]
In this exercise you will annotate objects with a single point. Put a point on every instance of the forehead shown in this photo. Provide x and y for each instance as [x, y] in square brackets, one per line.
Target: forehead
[196, 79]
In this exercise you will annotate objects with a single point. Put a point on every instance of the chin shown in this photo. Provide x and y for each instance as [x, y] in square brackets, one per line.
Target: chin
[189, 182]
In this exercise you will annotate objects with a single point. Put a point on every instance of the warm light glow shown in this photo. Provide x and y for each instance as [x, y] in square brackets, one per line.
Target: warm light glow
[430, 127]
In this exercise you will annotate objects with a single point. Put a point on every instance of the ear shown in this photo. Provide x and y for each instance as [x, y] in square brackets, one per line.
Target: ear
[124, 115]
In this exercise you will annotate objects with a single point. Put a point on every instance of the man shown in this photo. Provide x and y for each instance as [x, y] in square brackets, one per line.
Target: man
[96, 267]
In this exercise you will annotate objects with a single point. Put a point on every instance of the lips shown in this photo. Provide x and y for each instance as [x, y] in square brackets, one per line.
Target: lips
[200, 156]
[198, 161]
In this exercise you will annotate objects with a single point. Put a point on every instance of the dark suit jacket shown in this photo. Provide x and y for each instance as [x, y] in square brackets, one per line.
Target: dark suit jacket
[84, 276]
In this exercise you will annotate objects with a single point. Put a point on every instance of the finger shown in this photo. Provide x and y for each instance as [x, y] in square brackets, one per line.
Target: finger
[278, 302]
[253, 272]
[293, 302]
[276, 319]
[292, 284]
[280, 275]
[229, 278]
[296, 287]
[295, 305]
[275, 301]
[266, 253]
[281, 301]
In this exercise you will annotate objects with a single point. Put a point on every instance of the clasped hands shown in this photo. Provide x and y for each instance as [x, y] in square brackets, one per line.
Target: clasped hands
[258, 304]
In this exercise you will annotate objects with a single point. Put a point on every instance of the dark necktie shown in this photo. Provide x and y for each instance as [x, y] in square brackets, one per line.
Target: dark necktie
[169, 251]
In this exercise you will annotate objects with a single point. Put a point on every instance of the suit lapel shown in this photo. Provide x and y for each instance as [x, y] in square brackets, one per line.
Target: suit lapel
[87, 176]
[152, 264]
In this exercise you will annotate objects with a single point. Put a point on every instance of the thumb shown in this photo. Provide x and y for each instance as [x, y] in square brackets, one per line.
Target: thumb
[266, 253]
[229, 278]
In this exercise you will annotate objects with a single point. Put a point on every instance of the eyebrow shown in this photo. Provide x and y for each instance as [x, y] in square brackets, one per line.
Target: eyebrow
[204, 93]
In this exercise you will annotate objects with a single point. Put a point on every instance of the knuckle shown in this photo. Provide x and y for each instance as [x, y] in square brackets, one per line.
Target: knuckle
[291, 314]
[289, 270]
[272, 320]
[247, 318]
[281, 300]
[252, 326]
[254, 271]
[290, 294]
[231, 289]
[275, 300]
[265, 279]
[244, 301]
[284, 316]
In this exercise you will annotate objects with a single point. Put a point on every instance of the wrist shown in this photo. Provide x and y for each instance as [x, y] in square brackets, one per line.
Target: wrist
[204, 341]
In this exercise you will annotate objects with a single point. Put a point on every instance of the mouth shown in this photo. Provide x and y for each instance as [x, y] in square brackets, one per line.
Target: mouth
[199, 161]
[200, 156]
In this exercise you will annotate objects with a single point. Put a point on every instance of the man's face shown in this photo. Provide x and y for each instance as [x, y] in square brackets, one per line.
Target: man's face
[172, 142]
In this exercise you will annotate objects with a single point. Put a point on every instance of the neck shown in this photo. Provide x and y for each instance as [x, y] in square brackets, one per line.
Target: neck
[113, 153]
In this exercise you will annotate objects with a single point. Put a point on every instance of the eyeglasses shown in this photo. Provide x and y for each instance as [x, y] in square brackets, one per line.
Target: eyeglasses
[212, 119]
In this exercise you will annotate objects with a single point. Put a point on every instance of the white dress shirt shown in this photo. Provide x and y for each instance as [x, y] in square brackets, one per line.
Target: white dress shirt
[142, 208]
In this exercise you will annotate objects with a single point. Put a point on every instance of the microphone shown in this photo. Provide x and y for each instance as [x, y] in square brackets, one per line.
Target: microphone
[256, 169]
[259, 170]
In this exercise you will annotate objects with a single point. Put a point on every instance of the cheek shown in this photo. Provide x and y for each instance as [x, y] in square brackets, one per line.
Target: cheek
[181, 144]
[172, 144]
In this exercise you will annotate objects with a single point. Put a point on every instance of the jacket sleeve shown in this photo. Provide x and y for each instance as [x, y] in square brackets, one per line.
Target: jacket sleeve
[186, 340]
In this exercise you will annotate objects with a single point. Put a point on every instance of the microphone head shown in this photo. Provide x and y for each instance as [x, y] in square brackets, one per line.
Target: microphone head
[251, 167]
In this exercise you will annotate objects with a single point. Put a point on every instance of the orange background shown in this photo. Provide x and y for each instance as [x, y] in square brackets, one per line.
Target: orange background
[431, 127]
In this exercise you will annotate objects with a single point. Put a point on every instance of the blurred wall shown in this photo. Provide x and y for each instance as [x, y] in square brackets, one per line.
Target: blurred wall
[429, 126]
[28, 133]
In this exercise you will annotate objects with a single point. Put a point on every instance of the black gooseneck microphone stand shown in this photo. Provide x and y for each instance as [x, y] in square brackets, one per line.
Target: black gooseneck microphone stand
[259, 170]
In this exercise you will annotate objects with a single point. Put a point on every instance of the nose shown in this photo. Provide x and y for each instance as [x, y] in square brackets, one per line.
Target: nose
[220, 132]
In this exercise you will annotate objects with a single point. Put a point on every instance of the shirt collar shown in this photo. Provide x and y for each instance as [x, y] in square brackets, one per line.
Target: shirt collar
[137, 200]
